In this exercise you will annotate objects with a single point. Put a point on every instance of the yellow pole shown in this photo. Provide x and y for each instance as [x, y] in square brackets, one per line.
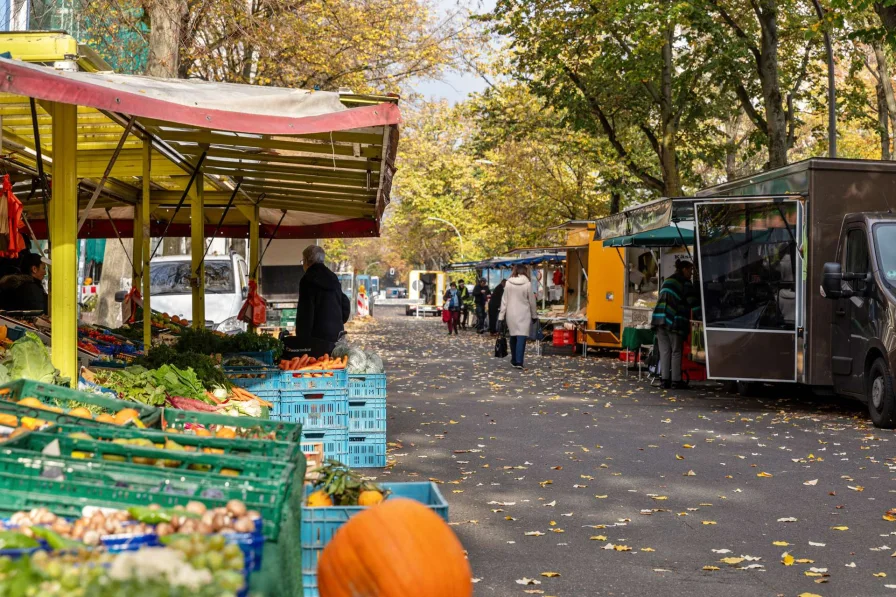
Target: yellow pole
[64, 239]
[145, 210]
[197, 250]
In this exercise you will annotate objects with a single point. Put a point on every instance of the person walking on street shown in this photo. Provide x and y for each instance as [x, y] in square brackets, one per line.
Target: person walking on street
[464, 304]
[323, 308]
[676, 305]
[518, 311]
[452, 304]
[494, 307]
[480, 297]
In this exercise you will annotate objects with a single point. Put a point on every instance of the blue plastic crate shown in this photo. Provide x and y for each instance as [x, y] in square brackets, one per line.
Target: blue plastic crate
[366, 450]
[320, 524]
[253, 379]
[367, 385]
[320, 409]
[297, 380]
[367, 415]
[335, 442]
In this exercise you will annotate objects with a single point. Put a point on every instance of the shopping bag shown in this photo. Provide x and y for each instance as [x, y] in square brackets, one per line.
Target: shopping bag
[501, 347]
[254, 310]
[446, 315]
[535, 330]
[132, 302]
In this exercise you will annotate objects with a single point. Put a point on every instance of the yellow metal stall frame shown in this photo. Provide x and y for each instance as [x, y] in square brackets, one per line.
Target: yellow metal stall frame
[320, 163]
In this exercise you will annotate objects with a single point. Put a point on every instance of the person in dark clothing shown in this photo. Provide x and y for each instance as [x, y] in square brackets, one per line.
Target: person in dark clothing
[678, 303]
[464, 295]
[323, 308]
[480, 297]
[494, 307]
[453, 306]
[25, 291]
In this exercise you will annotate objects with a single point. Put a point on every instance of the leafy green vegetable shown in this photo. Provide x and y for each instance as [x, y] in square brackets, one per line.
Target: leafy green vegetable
[30, 359]
[16, 540]
[133, 383]
[207, 342]
[206, 368]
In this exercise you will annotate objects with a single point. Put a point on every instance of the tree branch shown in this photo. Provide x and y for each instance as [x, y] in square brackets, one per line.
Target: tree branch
[749, 110]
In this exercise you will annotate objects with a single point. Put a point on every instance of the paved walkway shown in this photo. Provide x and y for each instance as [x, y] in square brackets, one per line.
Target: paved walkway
[572, 480]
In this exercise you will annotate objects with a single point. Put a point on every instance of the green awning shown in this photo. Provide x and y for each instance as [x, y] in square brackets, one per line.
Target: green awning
[668, 236]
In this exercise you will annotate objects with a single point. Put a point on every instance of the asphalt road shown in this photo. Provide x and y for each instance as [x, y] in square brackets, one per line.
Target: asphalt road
[627, 490]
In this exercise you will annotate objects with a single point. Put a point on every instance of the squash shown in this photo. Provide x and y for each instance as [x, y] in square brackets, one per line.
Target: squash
[3, 332]
[396, 549]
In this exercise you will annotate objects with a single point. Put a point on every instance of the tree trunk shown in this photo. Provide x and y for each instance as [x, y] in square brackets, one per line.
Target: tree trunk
[731, 128]
[883, 123]
[888, 107]
[668, 141]
[115, 268]
[769, 78]
[166, 19]
[615, 200]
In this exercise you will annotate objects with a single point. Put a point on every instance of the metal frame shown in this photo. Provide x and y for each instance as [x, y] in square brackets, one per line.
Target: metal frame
[798, 283]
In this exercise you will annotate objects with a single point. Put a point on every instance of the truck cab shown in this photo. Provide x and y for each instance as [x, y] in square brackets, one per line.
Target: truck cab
[862, 285]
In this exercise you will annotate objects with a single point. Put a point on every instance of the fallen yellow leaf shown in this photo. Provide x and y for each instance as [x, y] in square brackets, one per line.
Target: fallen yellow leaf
[787, 559]
[660, 498]
[687, 446]
[808, 595]
[880, 574]
[647, 549]
[622, 548]
[601, 497]
[804, 561]
[598, 538]
[709, 522]
[711, 568]
[731, 561]
[781, 543]
[550, 574]
[839, 528]
[764, 475]
[679, 457]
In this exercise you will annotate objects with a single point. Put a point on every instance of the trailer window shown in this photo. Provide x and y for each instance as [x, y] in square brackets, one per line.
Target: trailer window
[749, 265]
[885, 247]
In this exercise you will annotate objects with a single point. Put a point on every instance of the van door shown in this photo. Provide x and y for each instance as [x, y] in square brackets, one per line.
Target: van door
[850, 328]
[751, 286]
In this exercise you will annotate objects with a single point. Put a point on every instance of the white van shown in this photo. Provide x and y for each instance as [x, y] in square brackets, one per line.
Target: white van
[226, 288]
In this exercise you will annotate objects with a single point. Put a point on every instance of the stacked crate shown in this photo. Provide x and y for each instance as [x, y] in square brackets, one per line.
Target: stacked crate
[319, 401]
[367, 420]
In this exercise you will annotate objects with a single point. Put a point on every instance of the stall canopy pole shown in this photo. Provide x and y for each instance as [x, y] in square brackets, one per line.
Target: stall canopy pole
[254, 272]
[38, 151]
[64, 234]
[107, 172]
[197, 244]
[180, 203]
[146, 237]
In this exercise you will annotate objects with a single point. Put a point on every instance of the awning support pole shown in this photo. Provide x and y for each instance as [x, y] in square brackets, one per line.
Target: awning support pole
[120, 242]
[145, 209]
[64, 235]
[180, 203]
[261, 257]
[197, 244]
[38, 150]
[107, 172]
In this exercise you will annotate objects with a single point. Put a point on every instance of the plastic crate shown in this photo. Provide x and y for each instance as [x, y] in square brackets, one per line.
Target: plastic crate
[367, 450]
[291, 381]
[318, 525]
[335, 442]
[314, 409]
[254, 379]
[66, 399]
[284, 431]
[367, 385]
[367, 415]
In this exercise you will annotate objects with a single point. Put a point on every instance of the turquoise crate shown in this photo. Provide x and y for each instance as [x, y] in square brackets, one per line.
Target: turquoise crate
[367, 415]
[367, 385]
[255, 380]
[319, 410]
[318, 525]
[366, 450]
[296, 380]
[335, 442]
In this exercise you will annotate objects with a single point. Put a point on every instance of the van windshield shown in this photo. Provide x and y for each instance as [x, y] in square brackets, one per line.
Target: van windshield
[885, 247]
[173, 277]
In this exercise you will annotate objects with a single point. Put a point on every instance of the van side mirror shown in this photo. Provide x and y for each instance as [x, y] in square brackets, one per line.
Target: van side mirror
[245, 293]
[120, 295]
[831, 281]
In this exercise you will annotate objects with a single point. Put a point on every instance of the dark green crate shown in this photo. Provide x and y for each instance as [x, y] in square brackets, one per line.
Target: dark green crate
[239, 447]
[266, 429]
[66, 399]
[141, 457]
[116, 485]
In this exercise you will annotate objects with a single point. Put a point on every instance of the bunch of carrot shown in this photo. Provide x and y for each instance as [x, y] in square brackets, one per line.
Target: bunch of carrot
[308, 363]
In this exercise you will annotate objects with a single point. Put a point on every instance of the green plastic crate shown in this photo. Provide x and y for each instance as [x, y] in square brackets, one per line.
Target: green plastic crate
[66, 398]
[116, 485]
[265, 429]
[239, 467]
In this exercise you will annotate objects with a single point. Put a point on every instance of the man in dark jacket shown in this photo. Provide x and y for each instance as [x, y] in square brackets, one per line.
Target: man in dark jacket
[25, 291]
[480, 297]
[323, 307]
[494, 307]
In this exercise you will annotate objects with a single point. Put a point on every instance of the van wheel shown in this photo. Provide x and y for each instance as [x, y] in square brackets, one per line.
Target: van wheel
[881, 398]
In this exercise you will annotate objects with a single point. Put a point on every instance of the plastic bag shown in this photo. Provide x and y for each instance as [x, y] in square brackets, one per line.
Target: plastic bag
[254, 311]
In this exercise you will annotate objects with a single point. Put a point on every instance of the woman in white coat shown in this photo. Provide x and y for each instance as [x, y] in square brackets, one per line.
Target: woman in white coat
[518, 311]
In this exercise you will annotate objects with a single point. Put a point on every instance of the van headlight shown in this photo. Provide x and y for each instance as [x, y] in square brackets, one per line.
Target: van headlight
[231, 325]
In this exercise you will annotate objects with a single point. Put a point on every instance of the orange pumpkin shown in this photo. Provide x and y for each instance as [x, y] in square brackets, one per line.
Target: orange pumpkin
[395, 549]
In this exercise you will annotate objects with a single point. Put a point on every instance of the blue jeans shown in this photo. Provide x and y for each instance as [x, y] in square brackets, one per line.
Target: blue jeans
[517, 349]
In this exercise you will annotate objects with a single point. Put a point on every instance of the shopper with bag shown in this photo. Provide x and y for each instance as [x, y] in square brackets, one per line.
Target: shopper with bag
[518, 311]
[452, 306]
[323, 308]
[494, 307]
[677, 304]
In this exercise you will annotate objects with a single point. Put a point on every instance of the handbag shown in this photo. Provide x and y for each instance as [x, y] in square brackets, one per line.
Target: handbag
[501, 344]
[446, 315]
[535, 330]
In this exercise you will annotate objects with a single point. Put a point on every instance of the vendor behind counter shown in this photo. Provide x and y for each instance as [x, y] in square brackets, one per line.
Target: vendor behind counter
[25, 291]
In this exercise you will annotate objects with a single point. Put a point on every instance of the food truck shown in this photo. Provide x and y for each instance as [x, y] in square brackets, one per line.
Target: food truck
[797, 277]
[425, 292]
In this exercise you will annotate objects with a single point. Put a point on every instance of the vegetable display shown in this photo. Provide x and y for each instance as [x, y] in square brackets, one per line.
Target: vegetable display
[208, 342]
[28, 358]
[424, 556]
[339, 485]
[204, 366]
[309, 363]
[152, 386]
